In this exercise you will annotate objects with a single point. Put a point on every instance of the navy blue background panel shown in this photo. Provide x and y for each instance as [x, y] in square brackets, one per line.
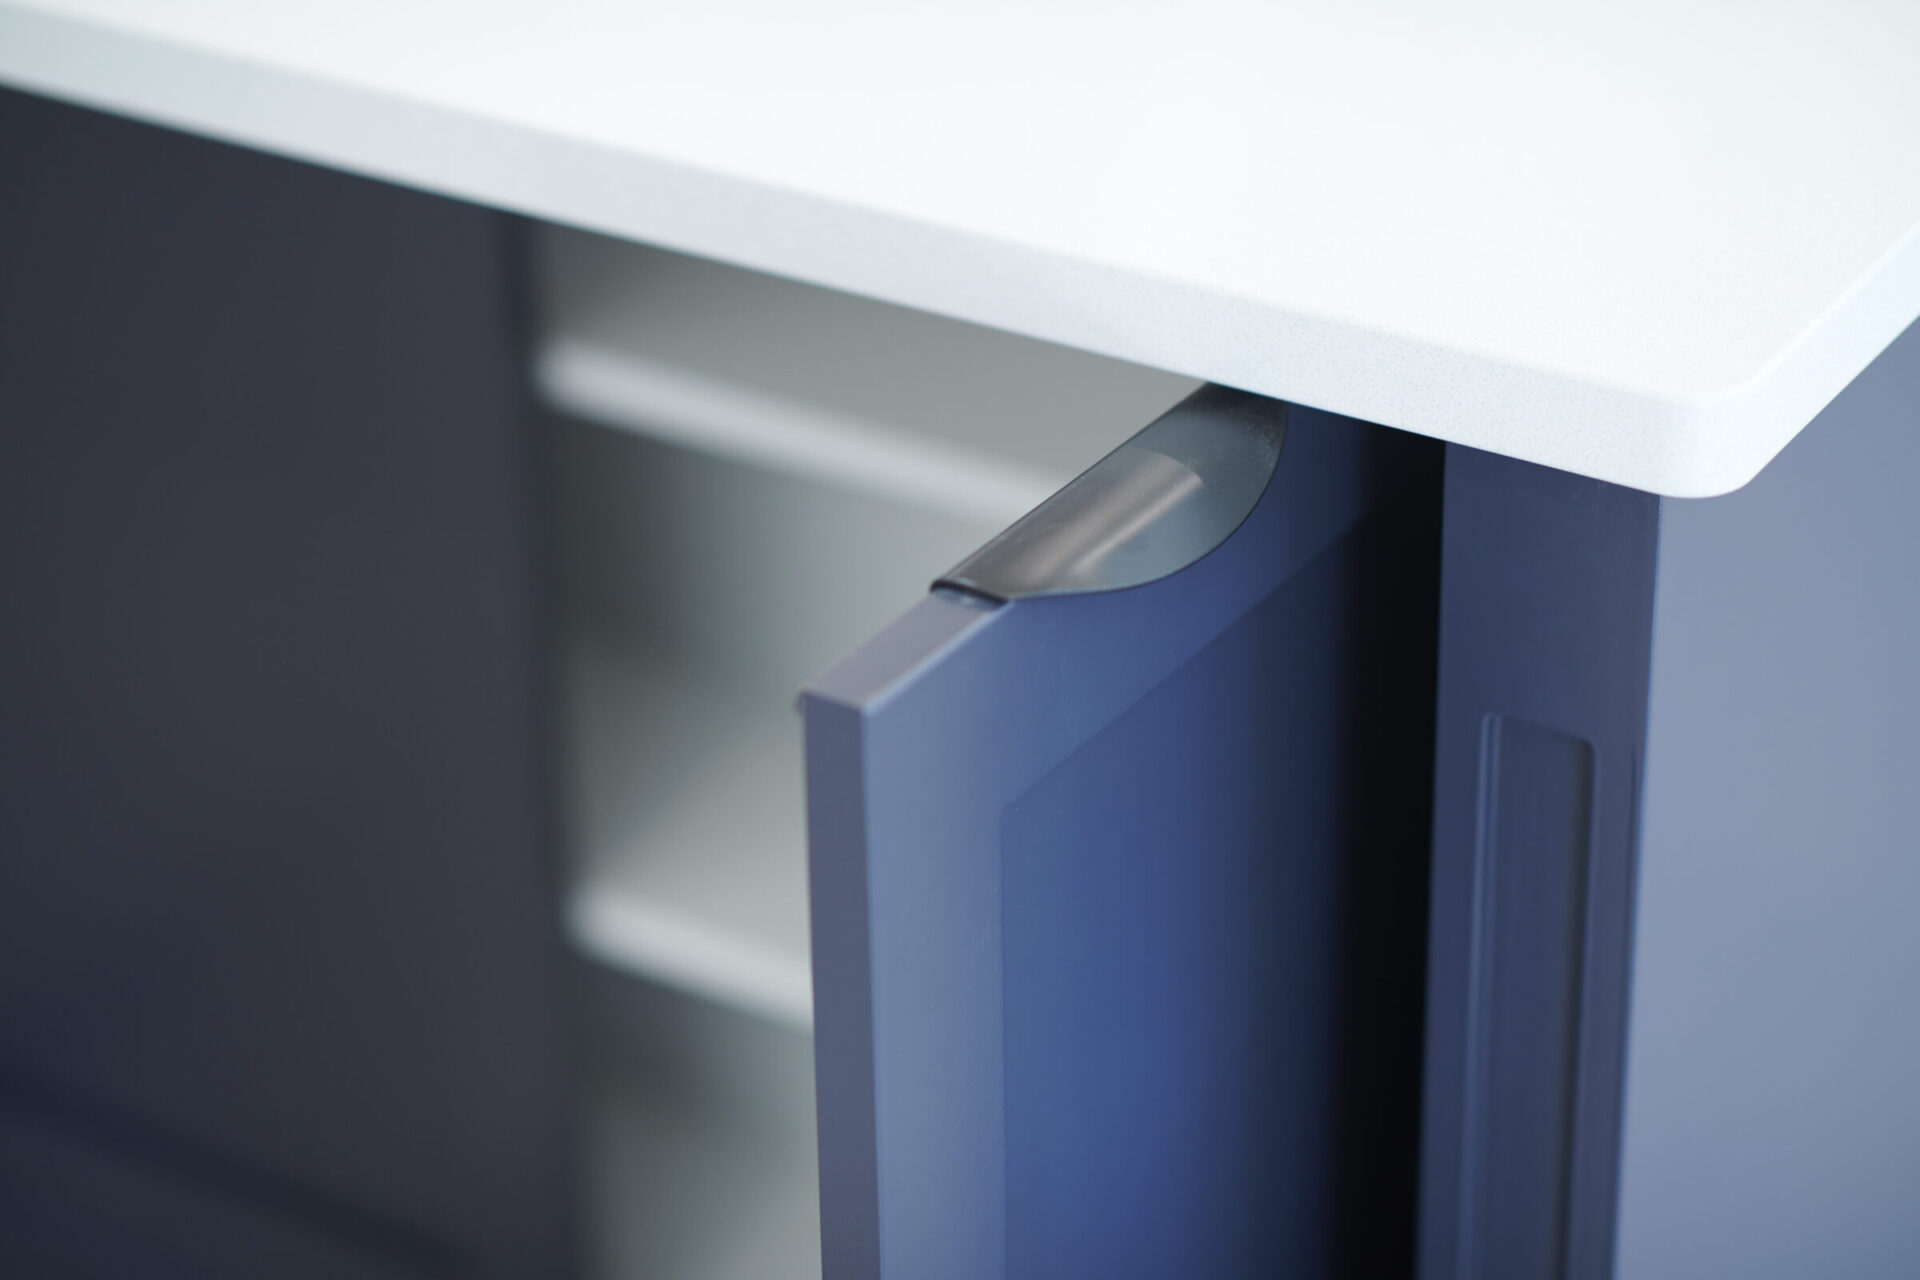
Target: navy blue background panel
[1119, 902]
[280, 973]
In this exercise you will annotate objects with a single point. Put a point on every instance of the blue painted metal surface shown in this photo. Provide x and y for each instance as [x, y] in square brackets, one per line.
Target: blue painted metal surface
[1545, 633]
[1672, 1036]
[1772, 1125]
[1117, 904]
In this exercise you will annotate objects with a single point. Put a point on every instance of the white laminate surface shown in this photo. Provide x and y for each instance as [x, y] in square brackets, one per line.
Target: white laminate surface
[1644, 242]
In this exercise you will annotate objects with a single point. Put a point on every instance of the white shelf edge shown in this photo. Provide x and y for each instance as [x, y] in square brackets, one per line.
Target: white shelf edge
[629, 933]
[600, 383]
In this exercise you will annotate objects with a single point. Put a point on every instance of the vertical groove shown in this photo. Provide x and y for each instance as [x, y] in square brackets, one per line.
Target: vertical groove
[1529, 936]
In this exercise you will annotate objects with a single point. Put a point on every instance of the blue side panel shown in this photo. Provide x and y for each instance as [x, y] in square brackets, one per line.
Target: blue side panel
[1772, 1127]
[1545, 629]
[1118, 904]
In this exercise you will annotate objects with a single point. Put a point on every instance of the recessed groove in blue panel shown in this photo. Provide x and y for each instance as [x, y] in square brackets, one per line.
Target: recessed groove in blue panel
[1536, 824]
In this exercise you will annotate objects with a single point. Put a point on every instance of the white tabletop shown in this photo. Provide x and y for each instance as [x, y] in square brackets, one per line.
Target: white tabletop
[1641, 241]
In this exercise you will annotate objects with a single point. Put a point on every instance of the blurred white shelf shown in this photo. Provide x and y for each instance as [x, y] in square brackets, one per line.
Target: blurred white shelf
[701, 1163]
[688, 826]
[935, 414]
[619, 388]
[709, 1201]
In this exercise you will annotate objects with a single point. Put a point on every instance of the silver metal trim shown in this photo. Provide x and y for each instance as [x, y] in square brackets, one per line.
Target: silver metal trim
[1159, 502]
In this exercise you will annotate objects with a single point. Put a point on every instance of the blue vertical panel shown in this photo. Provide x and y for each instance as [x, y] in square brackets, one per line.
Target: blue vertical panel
[1540, 728]
[1117, 903]
[1772, 1125]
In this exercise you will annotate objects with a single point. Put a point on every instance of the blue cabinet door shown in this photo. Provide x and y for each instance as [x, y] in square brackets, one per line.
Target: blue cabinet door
[1118, 850]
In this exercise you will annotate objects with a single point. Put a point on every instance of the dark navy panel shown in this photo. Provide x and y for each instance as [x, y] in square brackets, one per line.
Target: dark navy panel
[1118, 904]
[1545, 630]
[93, 1193]
[279, 968]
